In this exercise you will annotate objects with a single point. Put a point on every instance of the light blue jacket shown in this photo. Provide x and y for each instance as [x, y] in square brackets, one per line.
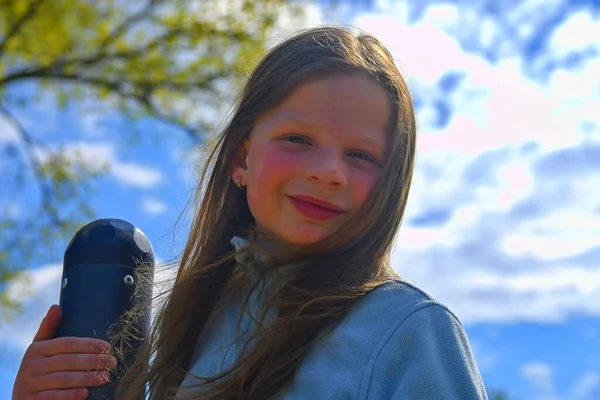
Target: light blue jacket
[395, 343]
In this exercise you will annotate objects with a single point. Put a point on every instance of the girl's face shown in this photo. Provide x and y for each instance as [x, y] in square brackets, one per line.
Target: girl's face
[313, 160]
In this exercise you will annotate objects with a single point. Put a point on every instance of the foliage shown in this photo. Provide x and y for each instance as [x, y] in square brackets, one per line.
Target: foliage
[161, 59]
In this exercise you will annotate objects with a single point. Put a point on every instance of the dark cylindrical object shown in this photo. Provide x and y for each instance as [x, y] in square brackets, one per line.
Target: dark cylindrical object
[101, 271]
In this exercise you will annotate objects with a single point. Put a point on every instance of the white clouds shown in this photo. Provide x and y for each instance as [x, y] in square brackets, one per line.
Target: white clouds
[559, 234]
[514, 183]
[507, 108]
[489, 293]
[441, 15]
[587, 387]
[525, 17]
[570, 86]
[94, 157]
[541, 376]
[136, 175]
[101, 156]
[579, 32]
[90, 124]
[495, 105]
[38, 290]
[153, 206]
[422, 51]
[287, 20]
[516, 231]
[512, 111]
[518, 241]
[577, 101]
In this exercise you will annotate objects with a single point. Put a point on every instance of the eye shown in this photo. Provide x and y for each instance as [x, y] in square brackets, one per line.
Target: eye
[363, 156]
[297, 139]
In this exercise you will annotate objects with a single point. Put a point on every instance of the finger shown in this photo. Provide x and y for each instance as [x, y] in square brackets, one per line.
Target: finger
[72, 379]
[72, 345]
[49, 325]
[76, 362]
[68, 394]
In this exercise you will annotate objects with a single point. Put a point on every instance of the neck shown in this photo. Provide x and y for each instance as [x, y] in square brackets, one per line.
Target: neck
[266, 241]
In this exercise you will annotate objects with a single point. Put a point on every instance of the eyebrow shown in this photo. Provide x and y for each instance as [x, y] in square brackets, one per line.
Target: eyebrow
[283, 120]
[370, 143]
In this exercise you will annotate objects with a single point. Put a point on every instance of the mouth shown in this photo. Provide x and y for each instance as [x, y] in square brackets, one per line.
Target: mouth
[315, 208]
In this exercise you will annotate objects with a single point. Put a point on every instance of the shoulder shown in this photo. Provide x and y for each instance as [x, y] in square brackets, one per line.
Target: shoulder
[421, 349]
[400, 311]
[398, 300]
[395, 305]
[397, 343]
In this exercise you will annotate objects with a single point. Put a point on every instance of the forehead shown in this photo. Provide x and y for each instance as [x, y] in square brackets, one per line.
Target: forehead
[349, 104]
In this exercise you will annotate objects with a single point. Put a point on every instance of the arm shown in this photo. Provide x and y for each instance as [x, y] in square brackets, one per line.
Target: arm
[425, 356]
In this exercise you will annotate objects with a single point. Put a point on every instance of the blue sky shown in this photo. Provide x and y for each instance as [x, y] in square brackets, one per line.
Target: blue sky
[503, 221]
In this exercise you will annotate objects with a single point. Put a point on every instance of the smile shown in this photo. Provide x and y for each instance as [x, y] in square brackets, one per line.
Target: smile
[315, 209]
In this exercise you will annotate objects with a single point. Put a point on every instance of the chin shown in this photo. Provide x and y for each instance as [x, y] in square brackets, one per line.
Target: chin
[305, 237]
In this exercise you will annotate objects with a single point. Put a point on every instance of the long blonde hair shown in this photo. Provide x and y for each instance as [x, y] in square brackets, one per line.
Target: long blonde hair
[335, 272]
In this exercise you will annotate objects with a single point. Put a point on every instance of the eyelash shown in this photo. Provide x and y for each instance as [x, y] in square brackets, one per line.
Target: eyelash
[367, 157]
[295, 137]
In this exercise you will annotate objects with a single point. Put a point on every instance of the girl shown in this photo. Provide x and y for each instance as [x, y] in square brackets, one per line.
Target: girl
[284, 289]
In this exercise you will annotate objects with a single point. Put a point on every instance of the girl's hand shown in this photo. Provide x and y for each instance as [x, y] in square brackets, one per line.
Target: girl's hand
[61, 368]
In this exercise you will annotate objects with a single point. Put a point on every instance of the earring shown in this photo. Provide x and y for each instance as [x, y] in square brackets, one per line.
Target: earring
[238, 182]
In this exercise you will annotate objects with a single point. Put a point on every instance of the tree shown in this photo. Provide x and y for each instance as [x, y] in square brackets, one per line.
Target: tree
[156, 59]
[498, 394]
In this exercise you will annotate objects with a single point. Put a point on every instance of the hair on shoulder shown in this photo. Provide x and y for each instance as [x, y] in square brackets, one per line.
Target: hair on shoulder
[316, 298]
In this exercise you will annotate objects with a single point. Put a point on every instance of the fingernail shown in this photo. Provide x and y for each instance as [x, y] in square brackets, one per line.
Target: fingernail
[104, 346]
[105, 376]
[111, 362]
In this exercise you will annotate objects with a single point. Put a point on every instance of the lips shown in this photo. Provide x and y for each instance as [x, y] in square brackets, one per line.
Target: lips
[321, 203]
[315, 208]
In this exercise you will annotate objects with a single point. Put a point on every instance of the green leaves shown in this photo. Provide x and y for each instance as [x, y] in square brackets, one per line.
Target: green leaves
[159, 59]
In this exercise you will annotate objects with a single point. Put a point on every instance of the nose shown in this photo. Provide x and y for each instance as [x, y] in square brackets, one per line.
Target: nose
[327, 167]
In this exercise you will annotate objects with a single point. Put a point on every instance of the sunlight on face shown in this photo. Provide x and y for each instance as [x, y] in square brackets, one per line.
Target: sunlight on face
[315, 158]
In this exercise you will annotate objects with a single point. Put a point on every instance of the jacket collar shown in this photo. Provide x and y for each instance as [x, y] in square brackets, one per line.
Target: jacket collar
[249, 261]
[245, 258]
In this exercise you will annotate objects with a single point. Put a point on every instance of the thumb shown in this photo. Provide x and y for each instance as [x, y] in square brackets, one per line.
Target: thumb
[49, 325]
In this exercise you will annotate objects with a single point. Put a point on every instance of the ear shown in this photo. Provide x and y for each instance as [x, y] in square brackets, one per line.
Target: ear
[239, 165]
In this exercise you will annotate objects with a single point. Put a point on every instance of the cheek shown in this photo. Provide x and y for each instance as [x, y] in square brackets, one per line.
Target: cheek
[273, 162]
[269, 173]
[363, 186]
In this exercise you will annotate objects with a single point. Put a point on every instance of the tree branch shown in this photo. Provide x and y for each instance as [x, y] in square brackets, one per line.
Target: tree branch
[46, 192]
[192, 132]
[37, 71]
[144, 98]
[87, 61]
[128, 23]
[145, 86]
[15, 28]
